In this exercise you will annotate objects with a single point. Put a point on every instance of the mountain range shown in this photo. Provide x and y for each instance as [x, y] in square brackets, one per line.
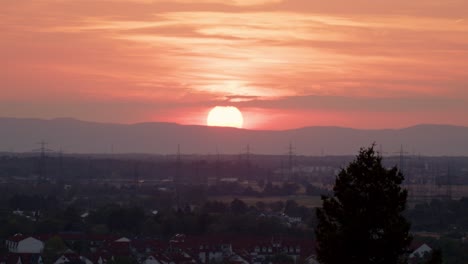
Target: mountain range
[75, 136]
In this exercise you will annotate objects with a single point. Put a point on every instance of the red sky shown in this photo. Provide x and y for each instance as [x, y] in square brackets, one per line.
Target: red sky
[283, 63]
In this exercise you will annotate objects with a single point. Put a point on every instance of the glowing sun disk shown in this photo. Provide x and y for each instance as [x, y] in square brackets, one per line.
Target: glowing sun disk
[225, 116]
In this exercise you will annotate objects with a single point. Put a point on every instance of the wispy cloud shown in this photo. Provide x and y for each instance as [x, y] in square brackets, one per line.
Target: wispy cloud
[258, 54]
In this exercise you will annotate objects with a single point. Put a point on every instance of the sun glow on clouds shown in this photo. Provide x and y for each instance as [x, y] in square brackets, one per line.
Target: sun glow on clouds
[278, 54]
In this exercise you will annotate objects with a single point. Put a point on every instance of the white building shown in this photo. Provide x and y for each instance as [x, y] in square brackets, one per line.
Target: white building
[420, 251]
[151, 260]
[24, 244]
[72, 257]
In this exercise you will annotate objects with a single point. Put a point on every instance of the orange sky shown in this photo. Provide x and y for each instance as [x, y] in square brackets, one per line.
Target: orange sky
[283, 63]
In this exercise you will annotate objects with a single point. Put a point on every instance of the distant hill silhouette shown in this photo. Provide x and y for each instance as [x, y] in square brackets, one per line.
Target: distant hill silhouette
[74, 136]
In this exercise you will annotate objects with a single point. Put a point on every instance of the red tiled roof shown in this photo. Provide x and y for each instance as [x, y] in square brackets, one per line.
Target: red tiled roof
[44, 237]
[72, 256]
[149, 244]
[72, 236]
[103, 238]
[416, 245]
[179, 258]
[101, 254]
[118, 249]
[17, 238]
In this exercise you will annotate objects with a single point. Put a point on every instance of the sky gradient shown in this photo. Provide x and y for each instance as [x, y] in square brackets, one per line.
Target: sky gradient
[283, 63]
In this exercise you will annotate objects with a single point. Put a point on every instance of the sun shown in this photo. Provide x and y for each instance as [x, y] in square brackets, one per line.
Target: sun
[225, 116]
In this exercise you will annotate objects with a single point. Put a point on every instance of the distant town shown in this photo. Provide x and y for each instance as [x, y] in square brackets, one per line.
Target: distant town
[178, 208]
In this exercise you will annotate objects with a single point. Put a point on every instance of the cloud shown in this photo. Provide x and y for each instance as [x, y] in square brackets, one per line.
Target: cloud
[291, 54]
[424, 8]
[227, 2]
[341, 103]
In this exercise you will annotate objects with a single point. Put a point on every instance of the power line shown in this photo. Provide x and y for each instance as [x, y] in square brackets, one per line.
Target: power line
[248, 152]
[381, 151]
[247, 156]
[42, 169]
[401, 153]
[449, 182]
[60, 174]
[217, 166]
[291, 155]
[176, 179]
[178, 165]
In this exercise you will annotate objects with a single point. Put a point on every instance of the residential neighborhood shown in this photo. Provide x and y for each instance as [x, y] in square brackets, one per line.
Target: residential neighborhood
[179, 249]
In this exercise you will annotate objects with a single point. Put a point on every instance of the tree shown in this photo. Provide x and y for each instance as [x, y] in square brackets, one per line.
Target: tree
[238, 207]
[53, 248]
[277, 206]
[291, 208]
[362, 221]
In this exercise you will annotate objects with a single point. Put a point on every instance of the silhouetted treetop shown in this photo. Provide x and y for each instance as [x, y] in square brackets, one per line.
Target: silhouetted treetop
[362, 221]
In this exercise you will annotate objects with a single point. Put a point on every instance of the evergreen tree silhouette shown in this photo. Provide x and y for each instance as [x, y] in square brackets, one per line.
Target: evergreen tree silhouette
[362, 221]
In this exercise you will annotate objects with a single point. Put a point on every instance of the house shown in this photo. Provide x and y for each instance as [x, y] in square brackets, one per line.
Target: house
[204, 249]
[108, 250]
[123, 240]
[72, 258]
[23, 258]
[179, 258]
[214, 251]
[311, 260]
[420, 251]
[119, 247]
[97, 241]
[62, 259]
[144, 247]
[151, 260]
[24, 244]
[236, 259]
[155, 259]
[180, 249]
[100, 257]
[240, 249]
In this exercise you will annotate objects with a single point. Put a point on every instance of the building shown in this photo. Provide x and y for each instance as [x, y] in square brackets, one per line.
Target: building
[24, 244]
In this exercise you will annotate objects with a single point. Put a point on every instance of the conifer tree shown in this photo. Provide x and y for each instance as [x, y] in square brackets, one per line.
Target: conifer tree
[362, 221]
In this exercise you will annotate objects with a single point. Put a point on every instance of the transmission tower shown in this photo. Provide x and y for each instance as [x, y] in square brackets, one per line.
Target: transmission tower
[290, 161]
[60, 174]
[290, 157]
[247, 157]
[90, 169]
[217, 166]
[401, 154]
[136, 181]
[178, 165]
[282, 169]
[136, 175]
[42, 168]
[176, 180]
[449, 182]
